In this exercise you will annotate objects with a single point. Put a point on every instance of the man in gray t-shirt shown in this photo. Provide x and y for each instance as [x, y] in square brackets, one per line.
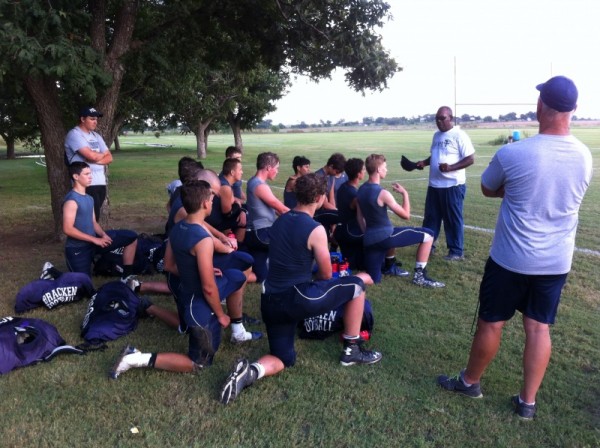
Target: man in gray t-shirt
[542, 181]
[84, 144]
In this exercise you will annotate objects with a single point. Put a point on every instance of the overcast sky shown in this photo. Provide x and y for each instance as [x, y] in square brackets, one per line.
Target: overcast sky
[502, 49]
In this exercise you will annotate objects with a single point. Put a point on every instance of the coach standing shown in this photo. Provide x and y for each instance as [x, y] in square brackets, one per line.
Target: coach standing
[542, 181]
[451, 152]
[84, 144]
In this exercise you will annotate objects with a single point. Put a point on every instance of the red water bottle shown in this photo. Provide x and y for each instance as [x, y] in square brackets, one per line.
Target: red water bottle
[335, 267]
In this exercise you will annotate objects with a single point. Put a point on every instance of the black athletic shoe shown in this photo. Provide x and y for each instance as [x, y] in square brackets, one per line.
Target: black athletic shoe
[456, 384]
[49, 272]
[356, 354]
[241, 376]
[396, 271]
[524, 411]
[420, 278]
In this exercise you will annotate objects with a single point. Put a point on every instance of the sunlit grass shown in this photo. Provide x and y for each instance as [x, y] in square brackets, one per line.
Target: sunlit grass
[422, 333]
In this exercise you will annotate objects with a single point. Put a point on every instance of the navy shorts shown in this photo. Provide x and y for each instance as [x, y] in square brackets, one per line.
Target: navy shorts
[502, 292]
[195, 311]
[80, 259]
[282, 311]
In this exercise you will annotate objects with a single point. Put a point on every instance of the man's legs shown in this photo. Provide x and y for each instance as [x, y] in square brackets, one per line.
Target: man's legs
[536, 357]
[484, 347]
[98, 193]
[453, 219]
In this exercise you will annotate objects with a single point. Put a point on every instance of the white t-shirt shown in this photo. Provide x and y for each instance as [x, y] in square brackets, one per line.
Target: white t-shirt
[77, 139]
[545, 178]
[449, 147]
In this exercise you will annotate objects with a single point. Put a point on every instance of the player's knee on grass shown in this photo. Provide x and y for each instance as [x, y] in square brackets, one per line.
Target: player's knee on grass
[201, 346]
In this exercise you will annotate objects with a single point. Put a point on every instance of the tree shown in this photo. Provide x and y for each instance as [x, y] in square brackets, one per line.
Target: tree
[72, 52]
[261, 86]
[17, 117]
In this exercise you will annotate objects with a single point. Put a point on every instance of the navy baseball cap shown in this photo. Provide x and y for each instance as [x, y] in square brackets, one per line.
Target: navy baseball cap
[559, 93]
[89, 112]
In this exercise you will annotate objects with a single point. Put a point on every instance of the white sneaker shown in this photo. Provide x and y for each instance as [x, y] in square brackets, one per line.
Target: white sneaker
[127, 359]
[132, 282]
[245, 336]
[45, 271]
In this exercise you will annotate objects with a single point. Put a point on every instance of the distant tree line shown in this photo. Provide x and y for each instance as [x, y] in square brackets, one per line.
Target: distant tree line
[402, 121]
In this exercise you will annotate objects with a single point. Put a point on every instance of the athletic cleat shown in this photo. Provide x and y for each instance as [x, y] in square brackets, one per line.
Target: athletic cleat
[45, 274]
[420, 279]
[356, 354]
[132, 282]
[456, 384]
[123, 362]
[454, 257]
[246, 336]
[47, 271]
[395, 271]
[241, 376]
[524, 411]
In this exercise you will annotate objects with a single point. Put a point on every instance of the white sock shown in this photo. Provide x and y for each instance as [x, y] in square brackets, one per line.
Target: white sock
[139, 359]
[259, 368]
[524, 402]
[420, 264]
[238, 328]
[462, 378]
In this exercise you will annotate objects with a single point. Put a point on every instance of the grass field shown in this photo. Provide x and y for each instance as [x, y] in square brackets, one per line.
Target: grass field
[421, 333]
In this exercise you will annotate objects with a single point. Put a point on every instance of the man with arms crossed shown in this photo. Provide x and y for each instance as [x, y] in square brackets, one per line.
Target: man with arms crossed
[542, 181]
[84, 144]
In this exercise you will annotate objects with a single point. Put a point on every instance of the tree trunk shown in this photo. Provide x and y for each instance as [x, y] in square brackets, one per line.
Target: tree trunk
[116, 127]
[10, 147]
[117, 144]
[44, 94]
[201, 138]
[236, 128]
[119, 46]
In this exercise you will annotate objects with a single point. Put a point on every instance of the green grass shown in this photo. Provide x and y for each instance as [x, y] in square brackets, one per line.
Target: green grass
[422, 333]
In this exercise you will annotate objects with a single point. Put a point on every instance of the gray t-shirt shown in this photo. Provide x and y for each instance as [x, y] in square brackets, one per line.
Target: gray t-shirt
[77, 139]
[545, 178]
[260, 215]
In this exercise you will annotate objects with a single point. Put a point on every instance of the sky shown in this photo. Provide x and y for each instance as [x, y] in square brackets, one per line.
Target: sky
[465, 53]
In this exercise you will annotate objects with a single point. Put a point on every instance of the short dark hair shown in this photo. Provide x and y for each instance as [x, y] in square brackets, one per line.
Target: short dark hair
[353, 167]
[77, 168]
[373, 162]
[231, 150]
[186, 164]
[229, 165]
[308, 188]
[299, 161]
[266, 159]
[190, 171]
[193, 194]
[337, 161]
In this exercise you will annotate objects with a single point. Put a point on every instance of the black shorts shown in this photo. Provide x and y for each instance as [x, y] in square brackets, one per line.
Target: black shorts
[281, 312]
[502, 292]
